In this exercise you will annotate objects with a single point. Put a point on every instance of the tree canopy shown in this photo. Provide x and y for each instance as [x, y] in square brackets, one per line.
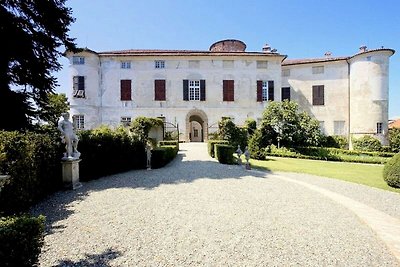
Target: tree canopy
[34, 33]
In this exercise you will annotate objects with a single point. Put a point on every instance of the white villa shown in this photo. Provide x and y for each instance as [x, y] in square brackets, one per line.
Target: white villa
[195, 89]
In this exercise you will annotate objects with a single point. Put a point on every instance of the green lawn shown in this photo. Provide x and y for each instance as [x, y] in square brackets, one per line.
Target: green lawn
[367, 174]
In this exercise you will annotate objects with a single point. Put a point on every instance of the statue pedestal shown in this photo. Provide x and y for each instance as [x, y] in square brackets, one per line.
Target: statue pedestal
[70, 173]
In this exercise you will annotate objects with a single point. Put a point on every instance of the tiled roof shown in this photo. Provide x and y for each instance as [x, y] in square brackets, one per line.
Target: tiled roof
[394, 124]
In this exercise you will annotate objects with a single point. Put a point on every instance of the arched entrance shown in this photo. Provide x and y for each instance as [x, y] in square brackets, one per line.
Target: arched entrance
[196, 126]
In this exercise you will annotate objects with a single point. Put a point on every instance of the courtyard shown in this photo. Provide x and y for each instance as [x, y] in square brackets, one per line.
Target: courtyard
[196, 211]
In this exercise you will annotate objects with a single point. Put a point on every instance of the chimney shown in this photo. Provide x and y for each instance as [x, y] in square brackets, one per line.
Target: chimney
[328, 54]
[363, 48]
[266, 48]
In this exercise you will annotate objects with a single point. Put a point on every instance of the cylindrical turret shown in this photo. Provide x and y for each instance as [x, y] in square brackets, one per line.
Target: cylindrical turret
[229, 45]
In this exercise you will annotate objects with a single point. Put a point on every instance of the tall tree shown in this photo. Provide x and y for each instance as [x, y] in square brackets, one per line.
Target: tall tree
[57, 104]
[34, 33]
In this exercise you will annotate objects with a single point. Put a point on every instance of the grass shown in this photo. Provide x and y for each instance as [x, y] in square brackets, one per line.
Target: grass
[366, 174]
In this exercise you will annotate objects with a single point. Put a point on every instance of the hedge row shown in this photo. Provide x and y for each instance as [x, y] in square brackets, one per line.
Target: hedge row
[211, 146]
[162, 155]
[224, 153]
[169, 143]
[21, 239]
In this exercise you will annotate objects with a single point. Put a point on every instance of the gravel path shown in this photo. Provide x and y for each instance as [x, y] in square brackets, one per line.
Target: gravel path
[198, 212]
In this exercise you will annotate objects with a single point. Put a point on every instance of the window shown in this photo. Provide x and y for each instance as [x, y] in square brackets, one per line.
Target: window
[159, 90]
[318, 69]
[194, 90]
[227, 64]
[228, 90]
[262, 64]
[126, 121]
[194, 64]
[286, 73]
[78, 122]
[78, 87]
[78, 60]
[126, 90]
[195, 132]
[265, 91]
[318, 95]
[285, 93]
[379, 128]
[125, 65]
[338, 128]
[159, 64]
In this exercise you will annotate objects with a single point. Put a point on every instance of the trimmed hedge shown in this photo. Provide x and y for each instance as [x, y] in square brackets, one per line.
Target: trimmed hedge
[105, 152]
[224, 153]
[162, 155]
[33, 162]
[211, 146]
[391, 171]
[367, 143]
[21, 240]
[169, 143]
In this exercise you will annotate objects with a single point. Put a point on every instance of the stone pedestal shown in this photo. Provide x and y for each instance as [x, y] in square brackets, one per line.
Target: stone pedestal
[70, 172]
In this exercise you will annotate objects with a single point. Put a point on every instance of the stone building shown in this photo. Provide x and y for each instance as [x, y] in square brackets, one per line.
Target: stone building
[195, 89]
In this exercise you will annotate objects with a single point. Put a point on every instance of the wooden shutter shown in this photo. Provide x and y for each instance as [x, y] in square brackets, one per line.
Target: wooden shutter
[318, 95]
[159, 90]
[270, 90]
[228, 90]
[186, 90]
[81, 83]
[126, 90]
[202, 90]
[259, 91]
[285, 93]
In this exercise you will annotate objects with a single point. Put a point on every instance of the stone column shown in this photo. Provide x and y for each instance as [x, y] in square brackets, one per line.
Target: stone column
[70, 173]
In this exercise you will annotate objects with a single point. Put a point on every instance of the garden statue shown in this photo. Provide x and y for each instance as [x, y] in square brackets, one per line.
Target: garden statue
[239, 153]
[68, 137]
[148, 155]
[247, 156]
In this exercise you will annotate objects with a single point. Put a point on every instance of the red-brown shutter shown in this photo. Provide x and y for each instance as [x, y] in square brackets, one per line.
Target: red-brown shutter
[259, 91]
[126, 90]
[228, 90]
[318, 95]
[159, 90]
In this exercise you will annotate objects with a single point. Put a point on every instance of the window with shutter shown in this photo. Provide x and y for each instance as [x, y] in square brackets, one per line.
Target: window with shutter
[202, 90]
[185, 90]
[79, 86]
[159, 90]
[285, 93]
[271, 91]
[318, 95]
[126, 90]
[228, 90]
[259, 91]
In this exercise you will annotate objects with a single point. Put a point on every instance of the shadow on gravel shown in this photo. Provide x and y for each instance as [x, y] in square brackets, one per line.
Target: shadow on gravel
[102, 259]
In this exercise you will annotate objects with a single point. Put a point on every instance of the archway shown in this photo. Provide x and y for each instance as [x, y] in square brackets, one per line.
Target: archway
[196, 126]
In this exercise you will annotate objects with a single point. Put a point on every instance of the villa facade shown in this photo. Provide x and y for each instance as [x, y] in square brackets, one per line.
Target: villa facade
[195, 89]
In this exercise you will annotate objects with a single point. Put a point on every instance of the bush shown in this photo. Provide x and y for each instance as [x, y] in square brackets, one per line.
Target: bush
[233, 134]
[224, 153]
[211, 146]
[33, 162]
[105, 151]
[21, 240]
[255, 147]
[162, 155]
[336, 141]
[391, 171]
[394, 139]
[169, 143]
[251, 126]
[367, 143]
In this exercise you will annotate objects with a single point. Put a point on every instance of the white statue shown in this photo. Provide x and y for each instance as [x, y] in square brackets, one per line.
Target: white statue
[69, 137]
[247, 156]
[239, 153]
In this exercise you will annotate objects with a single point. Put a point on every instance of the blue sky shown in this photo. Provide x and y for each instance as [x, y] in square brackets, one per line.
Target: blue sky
[299, 29]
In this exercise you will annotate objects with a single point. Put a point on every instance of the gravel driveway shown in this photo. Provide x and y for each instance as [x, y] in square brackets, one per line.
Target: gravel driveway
[197, 212]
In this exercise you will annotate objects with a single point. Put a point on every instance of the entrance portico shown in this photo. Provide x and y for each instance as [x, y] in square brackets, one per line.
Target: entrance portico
[196, 126]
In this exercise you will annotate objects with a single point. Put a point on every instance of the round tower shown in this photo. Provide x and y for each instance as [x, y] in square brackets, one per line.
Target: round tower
[229, 45]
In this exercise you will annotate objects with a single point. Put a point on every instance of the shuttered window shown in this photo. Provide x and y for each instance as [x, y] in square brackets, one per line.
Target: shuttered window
[194, 90]
[228, 90]
[285, 93]
[79, 86]
[318, 95]
[265, 91]
[159, 90]
[126, 90]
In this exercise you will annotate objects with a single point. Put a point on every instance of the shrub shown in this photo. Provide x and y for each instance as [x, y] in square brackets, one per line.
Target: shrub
[233, 134]
[337, 141]
[394, 139]
[251, 126]
[367, 143]
[391, 171]
[224, 153]
[162, 155]
[33, 162]
[211, 146]
[255, 146]
[169, 143]
[141, 127]
[21, 239]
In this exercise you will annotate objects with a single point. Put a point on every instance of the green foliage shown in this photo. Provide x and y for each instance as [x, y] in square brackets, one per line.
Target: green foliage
[33, 162]
[57, 104]
[290, 127]
[211, 146]
[251, 126]
[105, 151]
[233, 134]
[141, 127]
[224, 153]
[391, 171]
[21, 240]
[367, 143]
[33, 46]
[256, 145]
[337, 141]
[394, 139]
[169, 143]
[171, 135]
[213, 136]
[162, 155]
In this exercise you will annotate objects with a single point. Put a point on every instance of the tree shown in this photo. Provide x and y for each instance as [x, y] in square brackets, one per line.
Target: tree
[57, 104]
[394, 139]
[34, 32]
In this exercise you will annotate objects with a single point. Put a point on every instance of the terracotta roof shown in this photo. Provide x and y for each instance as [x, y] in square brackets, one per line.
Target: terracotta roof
[394, 124]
